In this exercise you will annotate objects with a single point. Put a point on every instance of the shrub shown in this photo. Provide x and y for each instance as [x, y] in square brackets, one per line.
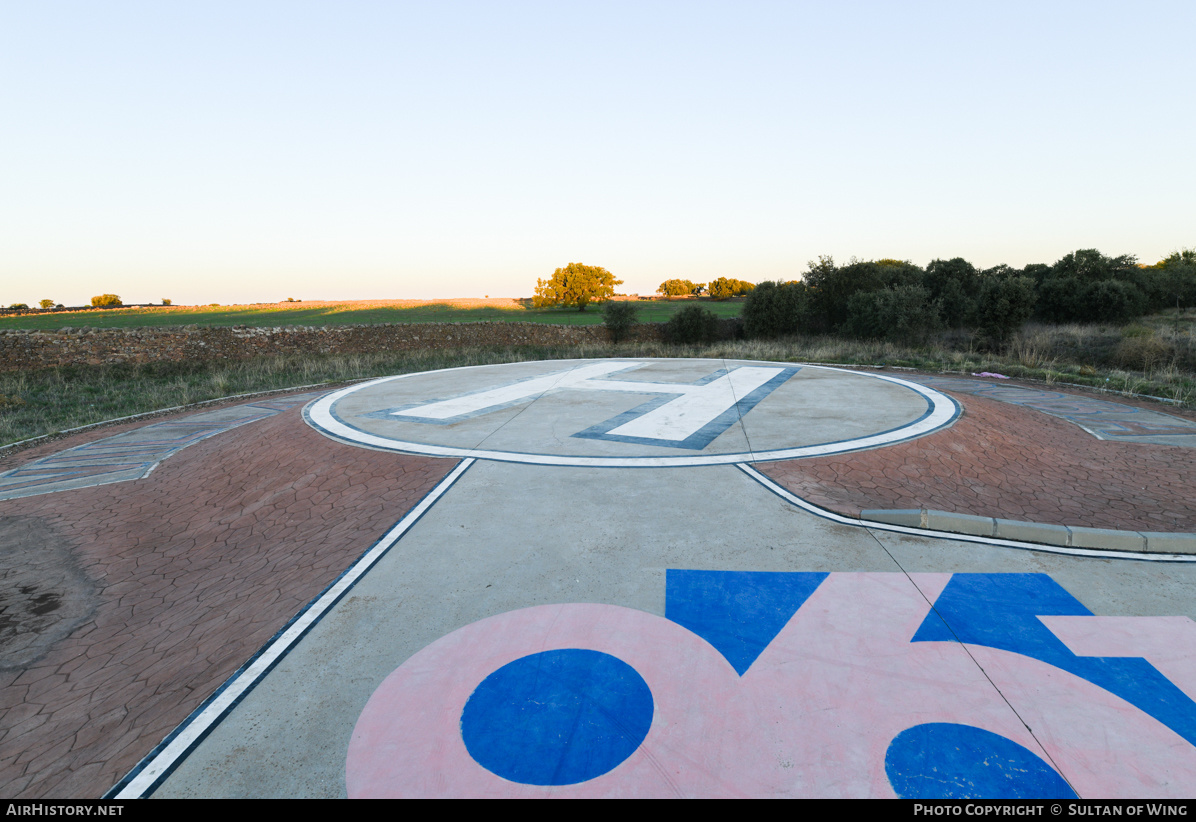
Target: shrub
[904, 313]
[1058, 300]
[1004, 305]
[775, 309]
[692, 324]
[1112, 301]
[618, 316]
[106, 301]
[1142, 352]
[46, 303]
[19, 305]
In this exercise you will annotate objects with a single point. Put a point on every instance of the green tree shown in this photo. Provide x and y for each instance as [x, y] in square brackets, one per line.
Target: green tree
[720, 289]
[46, 303]
[953, 283]
[1089, 265]
[1185, 257]
[832, 286]
[618, 316]
[106, 301]
[1086, 286]
[775, 309]
[725, 287]
[902, 313]
[678, 288]
[1174, 280]
[575, 284]
[1004, 304]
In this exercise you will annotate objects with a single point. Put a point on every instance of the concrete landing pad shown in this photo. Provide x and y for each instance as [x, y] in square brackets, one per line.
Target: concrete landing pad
[642, 413]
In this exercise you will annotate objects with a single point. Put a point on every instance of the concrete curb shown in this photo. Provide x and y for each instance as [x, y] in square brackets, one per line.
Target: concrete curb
[1152, 542]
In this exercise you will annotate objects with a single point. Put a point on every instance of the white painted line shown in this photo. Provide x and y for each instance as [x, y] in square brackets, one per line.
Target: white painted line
[468, 404]
[923, 532]
[688, 414]
[195, 727]
[942, 411]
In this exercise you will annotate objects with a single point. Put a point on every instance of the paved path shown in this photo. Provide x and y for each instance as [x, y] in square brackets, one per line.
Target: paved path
[643, 547]
[1103, 419]
[134, 454]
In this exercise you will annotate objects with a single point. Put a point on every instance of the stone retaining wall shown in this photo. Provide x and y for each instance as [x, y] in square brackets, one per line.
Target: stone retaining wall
[21, 349]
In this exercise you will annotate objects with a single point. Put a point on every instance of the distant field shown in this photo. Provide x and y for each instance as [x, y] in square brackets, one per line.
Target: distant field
[345, 313]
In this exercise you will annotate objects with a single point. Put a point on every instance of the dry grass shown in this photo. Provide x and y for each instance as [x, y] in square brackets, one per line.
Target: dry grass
[1104, 358]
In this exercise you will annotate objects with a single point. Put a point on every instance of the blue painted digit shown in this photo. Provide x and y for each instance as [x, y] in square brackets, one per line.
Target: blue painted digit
[1002, 610]
[557, 717]
[738, 612]
[947, 761]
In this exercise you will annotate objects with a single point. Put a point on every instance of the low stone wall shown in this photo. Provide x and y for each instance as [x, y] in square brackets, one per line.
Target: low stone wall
[20, 349]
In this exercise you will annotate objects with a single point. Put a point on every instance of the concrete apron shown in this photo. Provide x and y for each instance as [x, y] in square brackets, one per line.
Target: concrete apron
[564, 630]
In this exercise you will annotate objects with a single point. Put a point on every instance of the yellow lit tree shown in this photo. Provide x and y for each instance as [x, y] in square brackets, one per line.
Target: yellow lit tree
[575, 284]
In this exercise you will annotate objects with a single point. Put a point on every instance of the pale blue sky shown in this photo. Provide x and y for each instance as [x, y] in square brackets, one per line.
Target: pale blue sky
[251, 151]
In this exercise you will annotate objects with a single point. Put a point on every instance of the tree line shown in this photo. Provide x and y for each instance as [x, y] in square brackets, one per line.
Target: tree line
[903, 302]
[721, 289]
[897, 300]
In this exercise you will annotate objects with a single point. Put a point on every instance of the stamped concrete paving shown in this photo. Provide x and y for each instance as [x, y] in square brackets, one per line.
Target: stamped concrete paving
[199, 564]
[195, 567]
[1001, 460]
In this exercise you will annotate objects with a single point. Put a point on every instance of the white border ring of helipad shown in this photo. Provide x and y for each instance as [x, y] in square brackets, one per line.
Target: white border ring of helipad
[941, 411]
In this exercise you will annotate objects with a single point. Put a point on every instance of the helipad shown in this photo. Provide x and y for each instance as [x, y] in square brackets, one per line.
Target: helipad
[633, 413]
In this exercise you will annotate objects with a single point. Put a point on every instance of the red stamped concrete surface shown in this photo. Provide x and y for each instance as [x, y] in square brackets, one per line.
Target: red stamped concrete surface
[1001, 460]
[196, 566]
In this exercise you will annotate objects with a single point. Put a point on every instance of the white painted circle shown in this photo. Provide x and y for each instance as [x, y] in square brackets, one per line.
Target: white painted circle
[593, 414]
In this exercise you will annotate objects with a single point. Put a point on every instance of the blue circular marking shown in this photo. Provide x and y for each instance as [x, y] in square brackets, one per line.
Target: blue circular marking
[947, 761]
[557, 717]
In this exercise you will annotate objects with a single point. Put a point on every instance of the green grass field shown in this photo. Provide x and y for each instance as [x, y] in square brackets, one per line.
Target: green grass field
[351, 312]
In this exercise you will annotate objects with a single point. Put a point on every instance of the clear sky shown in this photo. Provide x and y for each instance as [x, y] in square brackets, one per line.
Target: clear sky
[247, 151]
